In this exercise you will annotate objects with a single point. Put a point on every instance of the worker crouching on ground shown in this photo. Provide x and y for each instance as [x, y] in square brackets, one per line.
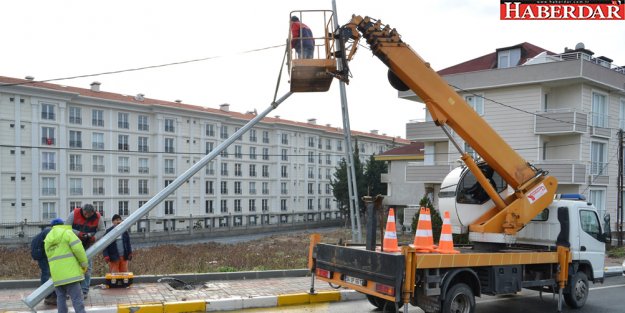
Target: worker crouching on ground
[119, 252]
[68, 263]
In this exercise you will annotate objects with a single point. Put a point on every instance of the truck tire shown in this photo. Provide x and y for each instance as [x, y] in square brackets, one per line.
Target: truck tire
[459, 299]
[578, 294]
[383, 304]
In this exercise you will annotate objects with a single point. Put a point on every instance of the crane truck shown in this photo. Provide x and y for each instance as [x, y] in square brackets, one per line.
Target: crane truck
[523, 234]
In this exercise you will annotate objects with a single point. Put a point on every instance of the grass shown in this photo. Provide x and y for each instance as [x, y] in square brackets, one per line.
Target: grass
[616, 252]
[275, 252]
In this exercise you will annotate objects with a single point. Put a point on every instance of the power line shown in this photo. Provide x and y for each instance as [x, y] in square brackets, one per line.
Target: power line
[137, 68]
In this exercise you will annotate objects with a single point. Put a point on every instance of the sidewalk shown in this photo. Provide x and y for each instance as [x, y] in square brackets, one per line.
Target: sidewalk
[211, 296]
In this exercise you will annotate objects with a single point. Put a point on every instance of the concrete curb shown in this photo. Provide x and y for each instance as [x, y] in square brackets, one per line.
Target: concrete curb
[610, 271]
[228, 304]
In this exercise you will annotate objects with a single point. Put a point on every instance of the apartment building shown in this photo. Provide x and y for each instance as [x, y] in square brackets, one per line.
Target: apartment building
[559, 111]
[62, 147]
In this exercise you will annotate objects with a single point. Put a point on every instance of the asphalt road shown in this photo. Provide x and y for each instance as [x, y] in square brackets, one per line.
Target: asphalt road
[603, 298]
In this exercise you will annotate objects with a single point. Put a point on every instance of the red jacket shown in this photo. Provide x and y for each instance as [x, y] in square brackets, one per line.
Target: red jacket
[82, 225]
[306, 33]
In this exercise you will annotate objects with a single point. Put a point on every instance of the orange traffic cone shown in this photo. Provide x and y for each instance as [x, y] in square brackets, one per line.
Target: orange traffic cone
[446, 242]
[390, 235]
[423, 241]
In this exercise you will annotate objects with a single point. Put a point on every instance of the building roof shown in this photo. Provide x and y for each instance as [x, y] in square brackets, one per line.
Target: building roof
[489, 61]
[411, 152]
[150, 102]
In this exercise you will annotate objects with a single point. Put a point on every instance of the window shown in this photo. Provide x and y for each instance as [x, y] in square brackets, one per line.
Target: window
[75, 162]
[599, 110]
[310, 204]
[223, 132]
[47, 136]
[265, 170]
[252, 188]
[476, 102]
[75, 139]
[265, 136]
[122, 120]
[224, 169]
[169, 145]
[508, 58]
[48, 210]
[328, 173]
[264, 205]
[328, 160]
[311, 142]
[265, 154]
[590, 223]
[311, 157]
[224, 153]
[237, 169]
[99, 206]
[143, 123]
[236, 129]
[142, 144]
[237, 188]
[285, 139]
[169, 125]
[169, 207]
[224, 206]
[210, 130]
[310, 189]
[597, 158]
[143, 187]
[98, 186]
[597, 197]
[122, 142]
[237, 205]
[48, 186]
[252, 205]
[284, 155]
[252, 135]
[209, 207]
[210, 168]
[252, 170]
[97, 141]
[311, 172]
[224, 187]
[47, 111]
[209, 187]
[328, 144]
[143, 166]
[48, 161]
[122, 208]
[339, 145]
[97, 118]
[252, 153]
[328, 189]
[283, 206]
[122, 187]
[123, 164]
[141, 203]
[168, 181]
[209, 147]
[98, 163]
[265, 188]
[75, 116]
[238, 152]
[327, 203]
[74, 204]
[283, 189]
[283, 171]
[319, 158]
[169, 166]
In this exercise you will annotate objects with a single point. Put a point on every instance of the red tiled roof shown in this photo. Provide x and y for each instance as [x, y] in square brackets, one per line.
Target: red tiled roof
[413, 149]
[489, 61]
[151, 102]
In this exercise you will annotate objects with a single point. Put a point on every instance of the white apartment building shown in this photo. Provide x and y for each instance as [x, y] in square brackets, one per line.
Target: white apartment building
[62, 147]
[560, 112]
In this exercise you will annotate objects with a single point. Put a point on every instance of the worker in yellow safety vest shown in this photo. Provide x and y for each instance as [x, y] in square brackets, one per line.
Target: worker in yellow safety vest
[68, 263]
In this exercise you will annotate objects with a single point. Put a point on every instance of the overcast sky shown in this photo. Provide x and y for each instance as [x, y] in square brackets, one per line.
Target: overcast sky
[53, 38]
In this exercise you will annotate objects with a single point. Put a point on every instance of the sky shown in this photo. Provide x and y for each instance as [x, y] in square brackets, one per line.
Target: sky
[51, 39]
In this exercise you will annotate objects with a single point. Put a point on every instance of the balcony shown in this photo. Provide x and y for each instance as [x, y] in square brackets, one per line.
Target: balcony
[122, 146]
[424, 131]
[123, 191]
[48, 141]
[416, 172]
[144, 170]
[566, 171]
[564, 121]
[48, 166]
[123, 169]
[75, 144]
[75, 120]
[48, 191]
[98, 190]
[75, 167]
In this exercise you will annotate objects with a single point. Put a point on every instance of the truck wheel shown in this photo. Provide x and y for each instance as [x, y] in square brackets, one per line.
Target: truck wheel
[579, 291]
[383, 304]
[459, 299]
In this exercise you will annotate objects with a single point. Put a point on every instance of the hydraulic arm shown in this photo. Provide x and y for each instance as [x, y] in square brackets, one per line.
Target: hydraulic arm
[533, 189]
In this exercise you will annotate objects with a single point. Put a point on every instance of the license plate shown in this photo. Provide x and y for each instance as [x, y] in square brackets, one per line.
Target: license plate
[354, 280]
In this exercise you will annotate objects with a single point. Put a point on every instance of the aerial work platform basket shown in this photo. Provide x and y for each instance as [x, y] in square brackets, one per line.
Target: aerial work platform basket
[311, 74]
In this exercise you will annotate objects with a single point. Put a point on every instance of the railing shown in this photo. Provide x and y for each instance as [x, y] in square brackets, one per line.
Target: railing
[75, 191]
[75, 167]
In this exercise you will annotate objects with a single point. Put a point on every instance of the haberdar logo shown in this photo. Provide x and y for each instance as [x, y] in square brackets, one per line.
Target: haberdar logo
[562, 10]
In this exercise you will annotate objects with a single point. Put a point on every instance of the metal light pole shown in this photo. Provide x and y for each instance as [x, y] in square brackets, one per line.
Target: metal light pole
[105, 241]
